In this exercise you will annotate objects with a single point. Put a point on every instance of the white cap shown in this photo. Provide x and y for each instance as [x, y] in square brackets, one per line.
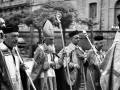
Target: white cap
[48, 29]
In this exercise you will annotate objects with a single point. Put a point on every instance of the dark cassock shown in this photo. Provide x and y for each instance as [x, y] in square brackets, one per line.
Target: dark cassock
[93, 64]
[43, 74]
[74, 58]
[12, 74]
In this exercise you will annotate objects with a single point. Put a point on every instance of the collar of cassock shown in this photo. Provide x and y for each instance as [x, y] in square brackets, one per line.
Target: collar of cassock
[99, 52]
[72, 46]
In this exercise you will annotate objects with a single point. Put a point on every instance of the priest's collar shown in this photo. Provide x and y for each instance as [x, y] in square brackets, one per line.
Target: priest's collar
[72, 46]
[96, 50]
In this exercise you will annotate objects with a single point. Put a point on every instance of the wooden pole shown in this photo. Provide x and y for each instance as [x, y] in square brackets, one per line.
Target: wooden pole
[91, 79]
[31, 32]
[31, 41]
[84, 77]
[66, 60]
[91, 29]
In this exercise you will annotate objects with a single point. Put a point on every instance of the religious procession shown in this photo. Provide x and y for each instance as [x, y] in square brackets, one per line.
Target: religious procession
[70, 68]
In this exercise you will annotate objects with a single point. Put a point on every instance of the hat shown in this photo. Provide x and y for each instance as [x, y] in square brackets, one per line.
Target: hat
[98, 38]
[48, 29]
[118, 17]
[73, 33]
[10, 29]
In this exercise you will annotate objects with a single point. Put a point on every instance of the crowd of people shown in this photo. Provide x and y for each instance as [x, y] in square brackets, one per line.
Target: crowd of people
[65, 70]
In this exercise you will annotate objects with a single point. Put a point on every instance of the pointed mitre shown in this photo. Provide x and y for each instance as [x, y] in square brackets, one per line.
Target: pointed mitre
[48, 29]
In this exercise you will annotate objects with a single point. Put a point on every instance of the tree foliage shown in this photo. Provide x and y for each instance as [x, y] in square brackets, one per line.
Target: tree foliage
[63, 6]
[15, 19]
[49, 9]
[38, 17]
[87, 21]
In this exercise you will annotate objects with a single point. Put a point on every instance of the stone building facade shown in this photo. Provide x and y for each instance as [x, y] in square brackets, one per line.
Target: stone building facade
[15, 6]
[102, 11]
[8, 7]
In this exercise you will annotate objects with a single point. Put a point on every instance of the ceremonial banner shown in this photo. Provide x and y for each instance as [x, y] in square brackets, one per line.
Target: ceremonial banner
[110, 78]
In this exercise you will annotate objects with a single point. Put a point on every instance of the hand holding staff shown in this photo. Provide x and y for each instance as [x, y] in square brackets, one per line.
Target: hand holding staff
[83, 70]
[15, 48]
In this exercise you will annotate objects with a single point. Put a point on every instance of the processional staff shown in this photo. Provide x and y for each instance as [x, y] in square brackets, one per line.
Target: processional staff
[60, 26]
[85, 33]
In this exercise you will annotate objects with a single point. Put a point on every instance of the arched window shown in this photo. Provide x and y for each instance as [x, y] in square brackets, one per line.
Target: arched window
[117, 11]
[93, 10]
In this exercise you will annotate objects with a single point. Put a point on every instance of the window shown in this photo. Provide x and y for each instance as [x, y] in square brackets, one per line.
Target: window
[93, 10]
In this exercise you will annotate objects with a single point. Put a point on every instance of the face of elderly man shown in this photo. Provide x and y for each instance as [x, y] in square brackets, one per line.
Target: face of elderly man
[49, 41]
[12, 39]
